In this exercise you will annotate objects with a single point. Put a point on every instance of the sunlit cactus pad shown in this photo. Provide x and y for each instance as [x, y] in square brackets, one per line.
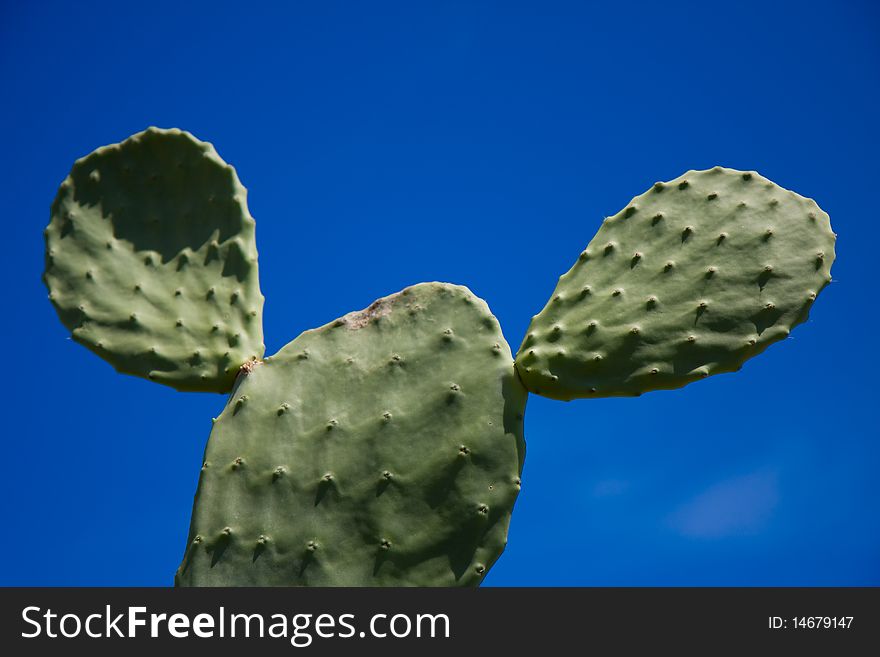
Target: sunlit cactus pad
[151, 261]
[384, 448]
[690, 279]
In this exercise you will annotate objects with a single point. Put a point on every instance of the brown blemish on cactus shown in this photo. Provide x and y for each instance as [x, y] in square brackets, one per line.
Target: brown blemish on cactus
[249, 366]
[376, 310]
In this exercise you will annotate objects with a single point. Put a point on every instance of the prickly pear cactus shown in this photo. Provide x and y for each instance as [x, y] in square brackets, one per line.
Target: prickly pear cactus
[384, 448]
[151, 261]
[692, 278]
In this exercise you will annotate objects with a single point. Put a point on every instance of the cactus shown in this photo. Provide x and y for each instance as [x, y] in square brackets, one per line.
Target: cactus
[151, 261]
[386, 447]
[691, 278]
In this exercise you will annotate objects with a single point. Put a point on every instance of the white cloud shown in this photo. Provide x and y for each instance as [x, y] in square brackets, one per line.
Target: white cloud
[734, 507]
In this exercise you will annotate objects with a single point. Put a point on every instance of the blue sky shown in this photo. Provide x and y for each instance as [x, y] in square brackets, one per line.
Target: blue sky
[479, 143]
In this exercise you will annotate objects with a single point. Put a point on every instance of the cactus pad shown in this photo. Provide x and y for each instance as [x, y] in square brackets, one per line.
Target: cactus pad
[692, 278]
[384, 448]
[151, 261]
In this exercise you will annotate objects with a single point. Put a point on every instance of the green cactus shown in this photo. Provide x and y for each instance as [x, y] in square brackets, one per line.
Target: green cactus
[151, 261]
[692, 278]
[384, 448]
